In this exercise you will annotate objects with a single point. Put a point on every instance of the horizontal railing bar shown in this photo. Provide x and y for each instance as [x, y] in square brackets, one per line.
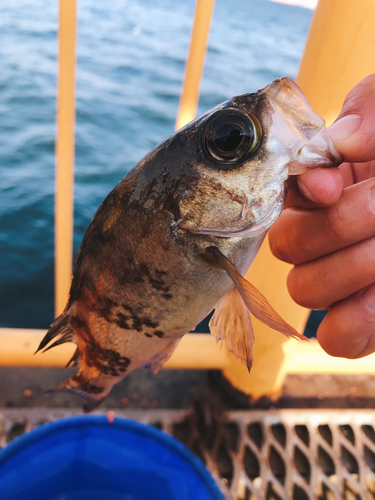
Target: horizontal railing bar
[18, 346]
[195, 351]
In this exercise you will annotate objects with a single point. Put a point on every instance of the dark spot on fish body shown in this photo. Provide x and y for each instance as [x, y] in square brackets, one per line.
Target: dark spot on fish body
[157, 281]
[87, 386]
[159, 273]
[91, 388]
[107, 361]
[123, 321]
[137, 323]
[129, 274]
[132, 321]
[159, 334]
[148, 335]
[105, 306]
[126, 319]
[149, 323]
[113, 363]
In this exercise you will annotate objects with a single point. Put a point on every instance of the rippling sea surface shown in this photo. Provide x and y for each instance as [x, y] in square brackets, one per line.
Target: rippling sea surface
[130, 66]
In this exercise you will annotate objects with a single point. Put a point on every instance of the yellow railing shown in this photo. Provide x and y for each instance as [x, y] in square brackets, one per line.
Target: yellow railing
[195, 62]
[339, 52]
[65, 152]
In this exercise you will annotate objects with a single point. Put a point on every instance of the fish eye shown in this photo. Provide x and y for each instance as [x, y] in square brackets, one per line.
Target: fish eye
[231, 135]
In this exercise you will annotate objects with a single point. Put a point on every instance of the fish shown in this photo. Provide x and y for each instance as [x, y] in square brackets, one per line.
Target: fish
[174, 239]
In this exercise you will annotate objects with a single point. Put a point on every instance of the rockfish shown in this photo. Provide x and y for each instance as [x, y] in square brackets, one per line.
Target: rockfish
[174, 238]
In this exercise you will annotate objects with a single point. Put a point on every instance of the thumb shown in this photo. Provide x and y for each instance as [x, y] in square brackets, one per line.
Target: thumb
[353, 133]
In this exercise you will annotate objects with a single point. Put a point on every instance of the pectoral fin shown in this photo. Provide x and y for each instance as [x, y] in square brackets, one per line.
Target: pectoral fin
[253, 299]
[231, 322]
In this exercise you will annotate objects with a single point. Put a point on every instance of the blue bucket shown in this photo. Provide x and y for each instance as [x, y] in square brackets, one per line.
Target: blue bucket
[89, 458]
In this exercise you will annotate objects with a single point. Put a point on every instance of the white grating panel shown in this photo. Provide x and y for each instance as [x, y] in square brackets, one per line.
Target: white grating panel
[256, 455]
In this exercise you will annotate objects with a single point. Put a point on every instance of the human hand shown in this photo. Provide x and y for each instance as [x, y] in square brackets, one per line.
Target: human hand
[327, 231]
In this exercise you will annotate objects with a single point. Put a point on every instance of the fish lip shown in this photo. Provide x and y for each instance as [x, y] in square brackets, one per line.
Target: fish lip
[318, 152]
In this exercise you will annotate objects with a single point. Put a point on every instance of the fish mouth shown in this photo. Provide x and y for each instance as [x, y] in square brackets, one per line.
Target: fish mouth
[301, 130]
[319, 151]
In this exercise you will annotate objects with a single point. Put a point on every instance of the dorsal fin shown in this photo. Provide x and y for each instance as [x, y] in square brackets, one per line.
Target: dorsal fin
[66, 335]
[62, 327]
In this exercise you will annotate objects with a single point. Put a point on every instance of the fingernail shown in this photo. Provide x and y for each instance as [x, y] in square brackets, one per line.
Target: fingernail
[303, 189]
[372, 198]
[344, 127]
[369, 297]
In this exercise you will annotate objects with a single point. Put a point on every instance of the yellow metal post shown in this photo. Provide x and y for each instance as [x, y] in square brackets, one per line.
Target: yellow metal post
[340, 51]
[65, 153]
[195, 62]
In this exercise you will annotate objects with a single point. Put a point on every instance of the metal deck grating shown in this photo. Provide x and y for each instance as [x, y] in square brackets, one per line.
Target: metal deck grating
[256, 455]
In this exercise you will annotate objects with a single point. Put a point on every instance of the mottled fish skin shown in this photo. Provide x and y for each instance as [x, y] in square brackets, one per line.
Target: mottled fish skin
[143, 277]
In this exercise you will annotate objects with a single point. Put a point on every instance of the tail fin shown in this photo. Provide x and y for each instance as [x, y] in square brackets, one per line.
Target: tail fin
[62, 327]
[92, 394]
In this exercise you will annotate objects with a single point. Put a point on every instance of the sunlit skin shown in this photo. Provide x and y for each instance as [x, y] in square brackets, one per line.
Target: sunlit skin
[327, 231]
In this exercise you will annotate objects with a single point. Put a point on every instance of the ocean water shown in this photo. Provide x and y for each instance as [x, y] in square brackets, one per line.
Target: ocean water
[130, 66]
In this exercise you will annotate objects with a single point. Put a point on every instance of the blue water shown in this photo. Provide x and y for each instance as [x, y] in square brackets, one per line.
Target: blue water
[131, 56]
